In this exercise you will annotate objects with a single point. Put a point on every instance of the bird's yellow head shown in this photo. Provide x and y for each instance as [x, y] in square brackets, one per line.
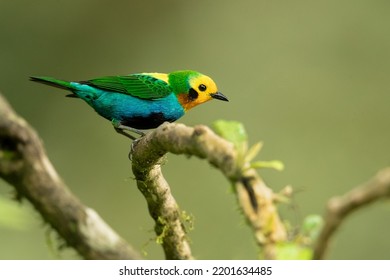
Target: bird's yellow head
[193, 88]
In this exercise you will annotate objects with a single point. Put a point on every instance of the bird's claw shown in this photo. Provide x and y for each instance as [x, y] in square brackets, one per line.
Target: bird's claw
[132, 148]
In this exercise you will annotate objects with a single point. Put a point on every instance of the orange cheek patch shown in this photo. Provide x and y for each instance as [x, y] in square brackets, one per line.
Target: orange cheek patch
[188, 104]
[183, 100]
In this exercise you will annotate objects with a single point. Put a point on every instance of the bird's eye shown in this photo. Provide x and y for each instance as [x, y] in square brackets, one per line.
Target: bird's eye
[202, 87]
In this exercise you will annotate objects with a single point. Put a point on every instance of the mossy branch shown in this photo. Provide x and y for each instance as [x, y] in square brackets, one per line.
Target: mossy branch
[24, 165]
[255, 198]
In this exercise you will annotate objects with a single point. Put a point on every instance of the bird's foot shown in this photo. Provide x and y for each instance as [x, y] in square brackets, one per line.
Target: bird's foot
[122, 129]
[132, 148]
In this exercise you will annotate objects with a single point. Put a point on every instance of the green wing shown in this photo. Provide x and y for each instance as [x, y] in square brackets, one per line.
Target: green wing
[140, 85]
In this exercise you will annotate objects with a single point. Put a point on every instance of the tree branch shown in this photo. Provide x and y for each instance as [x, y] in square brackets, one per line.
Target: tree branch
[24, 164]
[254, 197]
[340, 207]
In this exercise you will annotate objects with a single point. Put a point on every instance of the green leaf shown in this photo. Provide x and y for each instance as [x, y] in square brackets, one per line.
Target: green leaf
[292, 251]
[274, 164]
[235, 133]
[253, 151]
[232, 131]
[312, 226]
[13, 216]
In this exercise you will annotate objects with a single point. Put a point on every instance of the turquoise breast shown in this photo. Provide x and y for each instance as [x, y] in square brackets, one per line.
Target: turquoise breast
[131, 111]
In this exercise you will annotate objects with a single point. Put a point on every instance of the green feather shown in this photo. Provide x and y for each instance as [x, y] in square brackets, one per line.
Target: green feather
[52, 82]
[139, 85]
[179, 80]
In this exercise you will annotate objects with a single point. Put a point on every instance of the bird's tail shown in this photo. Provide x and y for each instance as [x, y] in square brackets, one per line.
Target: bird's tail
[53, 82]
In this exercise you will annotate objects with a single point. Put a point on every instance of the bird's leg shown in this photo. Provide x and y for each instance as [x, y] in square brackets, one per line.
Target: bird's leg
[121, 129]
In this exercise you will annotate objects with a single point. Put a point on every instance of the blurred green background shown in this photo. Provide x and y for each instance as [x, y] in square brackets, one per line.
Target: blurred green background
[309, 78]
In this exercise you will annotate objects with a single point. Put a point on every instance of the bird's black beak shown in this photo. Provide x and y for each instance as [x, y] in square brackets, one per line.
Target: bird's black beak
[219, 95]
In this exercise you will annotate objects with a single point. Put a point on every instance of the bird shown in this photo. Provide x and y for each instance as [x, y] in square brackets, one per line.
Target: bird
[141, 101]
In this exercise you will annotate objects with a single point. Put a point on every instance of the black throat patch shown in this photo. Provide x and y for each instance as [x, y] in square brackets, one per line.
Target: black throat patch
[192, 94]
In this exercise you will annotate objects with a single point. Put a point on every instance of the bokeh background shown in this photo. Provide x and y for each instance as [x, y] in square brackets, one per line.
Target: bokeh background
[309, 78]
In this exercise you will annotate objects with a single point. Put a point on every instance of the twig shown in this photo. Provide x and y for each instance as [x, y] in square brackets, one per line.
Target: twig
[254, 197]
[340, 207]
[24, 164]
